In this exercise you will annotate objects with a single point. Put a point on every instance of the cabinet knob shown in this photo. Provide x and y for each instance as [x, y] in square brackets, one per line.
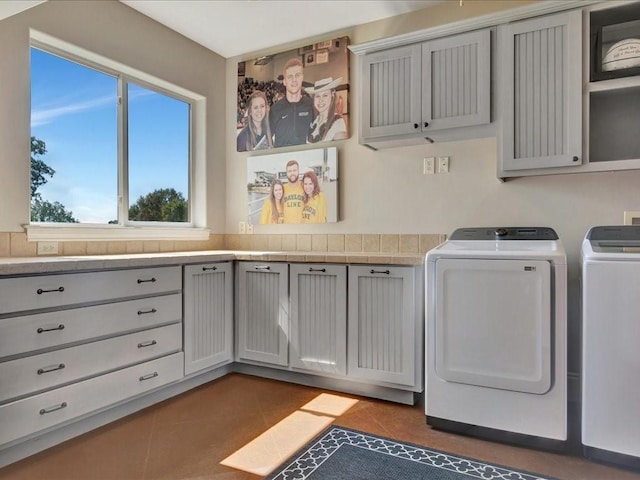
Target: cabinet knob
[416, 126]
[426, 124]
[575, 159]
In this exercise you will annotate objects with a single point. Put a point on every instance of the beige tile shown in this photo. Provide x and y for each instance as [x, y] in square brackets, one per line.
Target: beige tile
[259, 242]
[319, 243]
[353, 243]
[274, 243]
[409, 243]
[315, 258]
[303, 243]
[357, 259]
[232, 242]
[294, 257]
[5, 244]
[289, 243]
[429, 241]
[244, 242]
[216, 242]
[151, 246]
[116, 248]
[167, 246]
[381, 259]
[73, 248]
[277, 257]
[20, 247]
[389, 243]
[134, 246]
[335, 243]
[336, 259]
[371, 243]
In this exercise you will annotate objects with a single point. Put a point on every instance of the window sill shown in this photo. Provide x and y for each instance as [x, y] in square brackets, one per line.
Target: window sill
[80, 233]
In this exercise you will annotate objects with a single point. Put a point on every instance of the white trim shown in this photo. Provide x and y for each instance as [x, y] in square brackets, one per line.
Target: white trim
[74, 232]
[469, 24]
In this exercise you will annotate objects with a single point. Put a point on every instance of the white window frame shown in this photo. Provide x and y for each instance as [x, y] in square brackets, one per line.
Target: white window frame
[195, 228]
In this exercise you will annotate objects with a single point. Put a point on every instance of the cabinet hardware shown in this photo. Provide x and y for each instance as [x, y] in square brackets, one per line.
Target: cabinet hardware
[386, 272]
[152, 280]
[144, 312]
[575, 158]
[53, 409]
[148, 376]
[52, 329]
[147, 343]
[318, 270]
[41, 291]
[426, 124]
[415, 125]
[51, 368]
[204, 269]
[263, 267]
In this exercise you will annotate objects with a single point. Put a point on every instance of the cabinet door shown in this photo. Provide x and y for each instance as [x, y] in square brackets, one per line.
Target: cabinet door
[208, 316]
[319, 317]
[456, 79]
[381, 343]
[391, 87]
[263, 314]
[541, 91]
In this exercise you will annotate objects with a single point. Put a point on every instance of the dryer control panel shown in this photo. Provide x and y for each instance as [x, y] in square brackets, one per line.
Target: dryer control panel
[505, 233]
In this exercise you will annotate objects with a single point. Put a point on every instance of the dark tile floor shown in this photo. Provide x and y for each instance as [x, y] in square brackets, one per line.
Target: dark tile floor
[186, 437]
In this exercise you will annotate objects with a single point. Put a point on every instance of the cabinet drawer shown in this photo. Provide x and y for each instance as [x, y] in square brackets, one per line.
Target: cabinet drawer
[52, 329]
[33, 414]
[48, 370]
[49, 291]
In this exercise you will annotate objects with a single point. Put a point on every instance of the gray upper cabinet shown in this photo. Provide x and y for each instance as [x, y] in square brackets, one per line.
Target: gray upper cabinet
[411, 91]
[541, 89]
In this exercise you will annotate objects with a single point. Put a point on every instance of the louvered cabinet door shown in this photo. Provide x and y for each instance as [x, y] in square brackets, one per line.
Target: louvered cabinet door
[318, 317]
[263, 312]
[208, 316]
[541, 87]
[381, 339]
[391, 85]
[456, 78]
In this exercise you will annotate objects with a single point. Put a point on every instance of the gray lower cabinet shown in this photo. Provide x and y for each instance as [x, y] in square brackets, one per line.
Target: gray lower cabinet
[263, 312]
[384, 325]
[208, 316]
[318, 333]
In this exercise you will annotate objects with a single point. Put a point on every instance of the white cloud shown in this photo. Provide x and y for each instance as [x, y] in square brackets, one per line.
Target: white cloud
[48, 115]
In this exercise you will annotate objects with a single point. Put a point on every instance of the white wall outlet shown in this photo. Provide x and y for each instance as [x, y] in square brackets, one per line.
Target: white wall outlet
[47, 248]
[242, 227]
[250, 228]
[429, 166]
[443, 164]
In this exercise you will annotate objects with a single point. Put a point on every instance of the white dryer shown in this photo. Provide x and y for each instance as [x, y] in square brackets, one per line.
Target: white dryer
[611, 344]
[496, 314]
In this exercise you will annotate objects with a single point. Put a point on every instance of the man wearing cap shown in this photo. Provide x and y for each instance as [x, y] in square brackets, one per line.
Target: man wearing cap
[291, 116]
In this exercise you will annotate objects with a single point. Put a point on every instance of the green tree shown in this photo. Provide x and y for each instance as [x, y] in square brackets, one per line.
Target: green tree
[43, 210]
[161, 205]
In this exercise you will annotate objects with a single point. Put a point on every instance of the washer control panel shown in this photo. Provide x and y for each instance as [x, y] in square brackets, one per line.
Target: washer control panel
[504, 233]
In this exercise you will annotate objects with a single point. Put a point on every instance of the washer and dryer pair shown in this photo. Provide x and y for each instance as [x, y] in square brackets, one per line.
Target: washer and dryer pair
[496, 341]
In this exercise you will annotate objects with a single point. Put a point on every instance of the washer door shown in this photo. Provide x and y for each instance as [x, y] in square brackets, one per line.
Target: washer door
[493, 323]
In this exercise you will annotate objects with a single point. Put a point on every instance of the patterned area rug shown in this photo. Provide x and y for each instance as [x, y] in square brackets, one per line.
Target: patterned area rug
[343, 454]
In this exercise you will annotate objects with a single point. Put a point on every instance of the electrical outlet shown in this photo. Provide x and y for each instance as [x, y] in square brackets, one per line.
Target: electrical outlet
[443, 164]
[429, 167]
[250, 228]
[242, 227]
[47, 248]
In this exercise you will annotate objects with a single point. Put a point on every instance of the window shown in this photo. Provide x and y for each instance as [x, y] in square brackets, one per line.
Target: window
[109, 149]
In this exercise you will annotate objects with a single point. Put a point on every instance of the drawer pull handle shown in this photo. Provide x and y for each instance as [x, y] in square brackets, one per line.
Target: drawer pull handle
[263, 267]
[51, 368]
[318, 270]
[144, 312]
[204, 269]
[52, 329]
[149, 376]
[386, 272]
[152, 280]
[53, 409]
[148, 343]
[41, 291]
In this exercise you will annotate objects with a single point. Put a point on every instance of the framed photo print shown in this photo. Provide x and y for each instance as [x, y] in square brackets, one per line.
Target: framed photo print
[296, 97]
[294, 187]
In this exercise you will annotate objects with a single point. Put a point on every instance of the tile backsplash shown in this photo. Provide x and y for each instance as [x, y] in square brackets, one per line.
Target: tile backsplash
[16, 244]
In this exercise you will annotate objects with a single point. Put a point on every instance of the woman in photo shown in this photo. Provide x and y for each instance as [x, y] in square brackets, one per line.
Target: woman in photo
[256, 135]
[328, 123]
[273, 206]
[314, 209]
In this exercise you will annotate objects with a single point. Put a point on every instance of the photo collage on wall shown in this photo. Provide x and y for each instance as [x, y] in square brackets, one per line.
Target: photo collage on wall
[297, 97]
[294, 187]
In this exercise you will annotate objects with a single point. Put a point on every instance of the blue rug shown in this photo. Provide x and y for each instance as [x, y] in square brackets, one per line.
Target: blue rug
[343, 454]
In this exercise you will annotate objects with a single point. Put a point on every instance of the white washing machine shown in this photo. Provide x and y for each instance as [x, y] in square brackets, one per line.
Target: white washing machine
[611, 344]
[496, 314]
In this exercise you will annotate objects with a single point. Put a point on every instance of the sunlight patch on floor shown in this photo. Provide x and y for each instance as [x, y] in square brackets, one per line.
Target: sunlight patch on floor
[269, 450]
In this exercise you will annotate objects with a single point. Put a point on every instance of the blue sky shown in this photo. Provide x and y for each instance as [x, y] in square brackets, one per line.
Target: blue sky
[74, 111]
